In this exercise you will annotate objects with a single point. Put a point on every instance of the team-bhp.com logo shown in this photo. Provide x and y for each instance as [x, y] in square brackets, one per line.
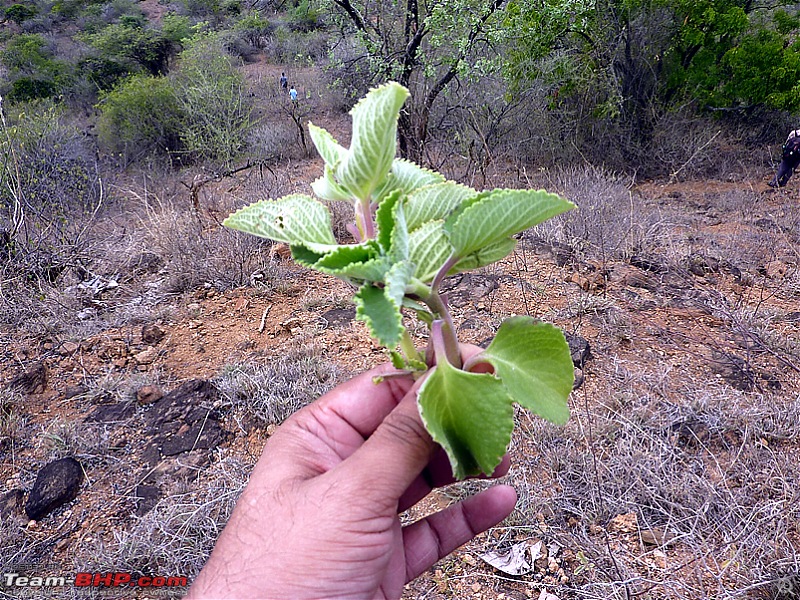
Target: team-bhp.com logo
[96, 580]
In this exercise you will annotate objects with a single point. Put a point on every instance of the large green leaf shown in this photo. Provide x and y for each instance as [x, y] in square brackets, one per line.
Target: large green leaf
[374, 142]
[533, 360]
[433, 202]
[397, 279]
[470, 415]
[326, 187]
[429, 248]
[329, 149]
[361, 262]
[486, 255]
[295, 219]
[496, 215]
[407, 176]
[380, 313]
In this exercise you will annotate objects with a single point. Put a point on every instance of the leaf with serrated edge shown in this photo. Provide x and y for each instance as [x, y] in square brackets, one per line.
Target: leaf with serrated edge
[329, 149]
[385, 219]
[326, 188]
[533, 360]
[486, 256]
[470, 415]
[493, 216]
[397, 279]
[407, 176]
[374, 141]
[295, 219]
[362, 262]
[434, 202]
[398, 246]
[429, 248]
[380, 313]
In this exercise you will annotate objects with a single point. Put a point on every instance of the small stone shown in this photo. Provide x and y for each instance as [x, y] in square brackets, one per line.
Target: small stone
[68, 348]
[11, 503]
[56, 484]
[148, 394]
[32, 381]
[152, 334]
[146, 357]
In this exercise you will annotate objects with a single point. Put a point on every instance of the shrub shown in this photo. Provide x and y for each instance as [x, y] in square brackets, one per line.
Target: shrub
[140, 117]
[211, 94]
[20, 13]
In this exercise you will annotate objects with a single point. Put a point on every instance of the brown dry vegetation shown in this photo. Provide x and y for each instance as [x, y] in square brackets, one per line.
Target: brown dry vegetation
[676, 476]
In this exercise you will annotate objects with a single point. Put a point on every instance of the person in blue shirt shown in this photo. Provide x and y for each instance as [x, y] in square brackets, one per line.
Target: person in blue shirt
[284, 82]
[293, 94]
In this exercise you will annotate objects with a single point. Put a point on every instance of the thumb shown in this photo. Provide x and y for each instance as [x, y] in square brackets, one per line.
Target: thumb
[394, 455]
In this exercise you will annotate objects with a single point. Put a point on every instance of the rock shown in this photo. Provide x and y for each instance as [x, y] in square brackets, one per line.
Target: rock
[68, 348]
[112, 413]
[189, 403]
[204, 435]
[579, 349]
[654, 264]
[146, 357]
[56, 484]
[700, 265]
[11, 504]
[152, 334]
[75, 390]
[148, 394]
[147, 496]
[579, 379]
[339, 317]
[633, 277]
[32, 381]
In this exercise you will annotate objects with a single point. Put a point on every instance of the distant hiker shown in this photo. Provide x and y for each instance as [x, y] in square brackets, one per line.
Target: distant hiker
[790, 156]
[284, 82]
[293, 94]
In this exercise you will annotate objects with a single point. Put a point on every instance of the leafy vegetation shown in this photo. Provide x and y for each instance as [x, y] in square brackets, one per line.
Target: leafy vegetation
[413, 228]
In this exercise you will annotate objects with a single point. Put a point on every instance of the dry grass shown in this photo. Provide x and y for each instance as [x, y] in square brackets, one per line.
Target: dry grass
[271, 392]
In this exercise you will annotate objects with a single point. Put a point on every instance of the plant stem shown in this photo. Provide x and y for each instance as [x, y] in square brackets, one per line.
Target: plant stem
[366, 226]
[408, 348]
[446, 329]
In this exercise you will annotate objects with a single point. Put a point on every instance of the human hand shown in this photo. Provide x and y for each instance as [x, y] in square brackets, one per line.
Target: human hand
[319, 517]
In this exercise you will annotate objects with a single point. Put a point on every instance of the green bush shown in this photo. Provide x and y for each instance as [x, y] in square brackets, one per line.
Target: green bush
[33, 72]
[211, 93]
[140, 117]
[20, 13]
[136, 47]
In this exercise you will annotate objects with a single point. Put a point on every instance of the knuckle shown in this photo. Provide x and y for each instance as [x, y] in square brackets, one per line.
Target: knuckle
[406, 429]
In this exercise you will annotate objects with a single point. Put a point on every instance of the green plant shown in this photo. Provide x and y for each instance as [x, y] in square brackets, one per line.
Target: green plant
[412, 229]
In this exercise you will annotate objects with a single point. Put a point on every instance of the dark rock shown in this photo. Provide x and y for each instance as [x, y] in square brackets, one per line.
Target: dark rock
[32, 381]
[203, 435]
[152, 334]
[75, 390]
[634, 277]
[767, 224]
[579, 379]
[700, 265]
[146, 498]
[189, 403]
[339, 317]
[648, 263]
[579, 349]
[56, 484]
[737, 372]
[148, 394]
[112, 413]
[151, 456]
[11, 504]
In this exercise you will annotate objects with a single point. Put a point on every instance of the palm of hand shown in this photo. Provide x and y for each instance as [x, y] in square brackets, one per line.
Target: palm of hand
[319, 517]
